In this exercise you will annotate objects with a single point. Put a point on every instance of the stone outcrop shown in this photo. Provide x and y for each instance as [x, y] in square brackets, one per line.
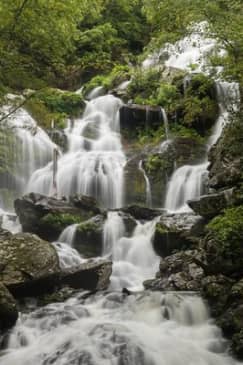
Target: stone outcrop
[133, 116]
[88, 238]
[48, 217]
[28, 263]
[8, 309]
[92, 275]
[140, 212]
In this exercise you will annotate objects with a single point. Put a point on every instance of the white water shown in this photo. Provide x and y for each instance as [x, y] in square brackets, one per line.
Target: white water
[190, 53]
[133, 257]
[68, 235]
[143, 329]
[189, 181]
[147, 184]
[112, 329]
[30, 147]
[166, 123]
[94, 162]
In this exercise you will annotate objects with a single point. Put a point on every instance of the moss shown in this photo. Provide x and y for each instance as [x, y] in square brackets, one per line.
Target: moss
[156, 163]
[53, 105]
[224, 247]
[228, 228]
[88, 226]
[60, 220]
[109, 81]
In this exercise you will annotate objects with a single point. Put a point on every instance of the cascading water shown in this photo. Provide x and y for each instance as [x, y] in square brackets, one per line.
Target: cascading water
[144, 329]
[189, 181]
[148, 185]
[112, 328]
[27, 147]
[133, 257]
[94, 162]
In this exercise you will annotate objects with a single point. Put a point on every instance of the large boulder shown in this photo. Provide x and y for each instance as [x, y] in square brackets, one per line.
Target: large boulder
[140, 212]
[211, 205]
[176, 232]
[179, 271]
[92, 275]
[8, 309]
[29, 264]
[88, 238]
[48, 217]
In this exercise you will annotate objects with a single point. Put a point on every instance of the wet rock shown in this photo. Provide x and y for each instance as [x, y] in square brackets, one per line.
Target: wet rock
[226, 157]
[92, 275]
[8, 309]
[209, 206]
[177, 232]
[89, 237]
[216, 289]
[48, 216]
[59, 137]
[178, 272]
[133, 116]
[141, 213]
[135, 186]
[28, 264]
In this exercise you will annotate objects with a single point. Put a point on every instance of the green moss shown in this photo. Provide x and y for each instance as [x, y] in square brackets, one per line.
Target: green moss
[88, 226]
[60, 220]
[156, 163]
[227, 229]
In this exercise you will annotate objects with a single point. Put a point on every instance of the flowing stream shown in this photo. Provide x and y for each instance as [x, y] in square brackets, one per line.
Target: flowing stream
[111, 328]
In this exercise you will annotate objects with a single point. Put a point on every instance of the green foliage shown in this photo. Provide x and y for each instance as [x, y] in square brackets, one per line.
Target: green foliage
[60, 220]
[54, 105]
[118, 74]
[155, 163]
[227, 229]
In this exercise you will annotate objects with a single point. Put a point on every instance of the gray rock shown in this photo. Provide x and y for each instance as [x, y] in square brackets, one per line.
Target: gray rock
[8, 309]
[48, 217]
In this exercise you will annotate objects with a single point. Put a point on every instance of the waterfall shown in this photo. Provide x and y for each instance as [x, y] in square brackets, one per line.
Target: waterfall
[188, 182]
[133, 257]
[114, 229]
[146, 329]
[68, 235]
[147, 183]
[166, 123]
[95, 160]
[27, 148]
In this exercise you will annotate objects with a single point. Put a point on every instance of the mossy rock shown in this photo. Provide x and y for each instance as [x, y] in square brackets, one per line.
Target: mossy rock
[89, 237]
[223, 244]
[168, 239]
[25, 257]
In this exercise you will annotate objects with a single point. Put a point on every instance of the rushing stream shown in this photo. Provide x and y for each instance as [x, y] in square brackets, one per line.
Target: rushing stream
[112, 328]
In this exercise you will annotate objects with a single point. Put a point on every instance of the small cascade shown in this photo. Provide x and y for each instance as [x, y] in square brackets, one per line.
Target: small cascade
[96, 92]
[68, 235]
[27, 148]
[166, 123]
[114, 229]
[189, 182]
[95, 160]
[186, 183]
[133, 257]
[144, 329]
[69, 258]
[148, 186]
